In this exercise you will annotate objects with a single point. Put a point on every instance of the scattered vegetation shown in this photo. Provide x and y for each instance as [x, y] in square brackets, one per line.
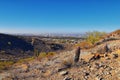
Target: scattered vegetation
[84, 44]
[90, 39]
[25, 60]
[93, 37]
[4, 65]
[45, 55]
[41, 55]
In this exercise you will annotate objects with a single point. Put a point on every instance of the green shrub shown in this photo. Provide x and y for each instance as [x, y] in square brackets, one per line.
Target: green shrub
[94, 36]
[42, 55]
[45, 55]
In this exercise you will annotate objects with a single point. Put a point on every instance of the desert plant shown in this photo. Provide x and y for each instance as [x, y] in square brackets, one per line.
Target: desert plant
[94, 36]
[5, 64]
[77, 55]
[84, 44]
[45, 55]
[25, 60]
[50, 54]
[42, 55]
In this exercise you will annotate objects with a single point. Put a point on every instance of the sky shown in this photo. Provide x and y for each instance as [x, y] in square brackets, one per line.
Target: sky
[59, 16]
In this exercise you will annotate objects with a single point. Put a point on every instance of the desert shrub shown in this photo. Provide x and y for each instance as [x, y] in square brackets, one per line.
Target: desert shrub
[50, 54]
[25, 60]
[42, 55]
[90, 39]
[83, 44]
[5, 64]
[45, 55]
[93, 37]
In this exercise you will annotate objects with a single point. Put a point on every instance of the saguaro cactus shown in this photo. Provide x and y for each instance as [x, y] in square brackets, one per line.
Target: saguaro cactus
[77, 55]
[106, 48]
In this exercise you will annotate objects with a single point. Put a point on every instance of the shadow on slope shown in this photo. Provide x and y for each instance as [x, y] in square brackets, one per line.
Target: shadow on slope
[9, 42]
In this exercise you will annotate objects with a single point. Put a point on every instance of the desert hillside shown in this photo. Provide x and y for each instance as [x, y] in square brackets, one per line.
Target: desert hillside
[94, 64]
[61, 67]
[14, 47]
[9, 42]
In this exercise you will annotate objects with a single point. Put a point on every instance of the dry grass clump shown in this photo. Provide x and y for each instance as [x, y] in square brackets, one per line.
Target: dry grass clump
[84, 44]
[50, 54]
[47, 55]
[25, 60]
[7, 64]
[4, 65]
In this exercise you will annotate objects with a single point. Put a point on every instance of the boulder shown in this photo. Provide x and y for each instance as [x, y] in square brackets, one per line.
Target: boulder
[63, 73]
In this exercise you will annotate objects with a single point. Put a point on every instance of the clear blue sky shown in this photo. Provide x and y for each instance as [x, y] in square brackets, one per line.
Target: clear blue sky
[46, 16]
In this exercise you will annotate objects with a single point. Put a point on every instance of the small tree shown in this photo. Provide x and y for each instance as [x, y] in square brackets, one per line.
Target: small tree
[94, 36]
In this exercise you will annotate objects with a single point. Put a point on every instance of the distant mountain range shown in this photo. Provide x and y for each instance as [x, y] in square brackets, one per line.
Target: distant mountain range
[79, 35]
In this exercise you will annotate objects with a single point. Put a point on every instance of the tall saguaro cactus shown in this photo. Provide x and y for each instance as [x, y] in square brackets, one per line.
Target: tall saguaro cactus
[106, 48]
[77, 55]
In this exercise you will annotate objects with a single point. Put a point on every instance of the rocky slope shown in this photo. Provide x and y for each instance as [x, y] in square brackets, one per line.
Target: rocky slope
[57, 68]
[112, 40]
[62, 67]
[112, 46]
[9, 42]
[16, 47]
